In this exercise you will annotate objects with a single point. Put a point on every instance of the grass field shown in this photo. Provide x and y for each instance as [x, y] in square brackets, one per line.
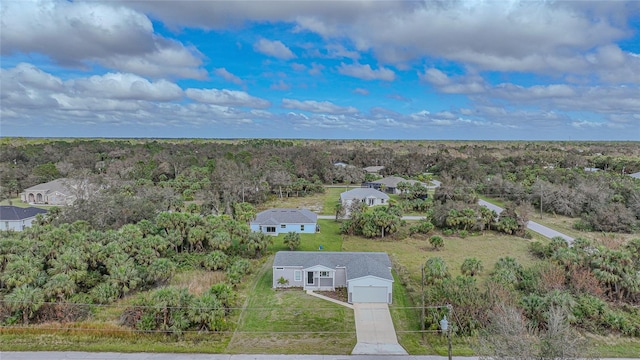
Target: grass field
[291, 322]
[329, 237]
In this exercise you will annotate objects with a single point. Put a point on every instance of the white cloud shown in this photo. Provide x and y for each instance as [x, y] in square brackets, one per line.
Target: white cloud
[317, 107]
[274, 48]
[126, 86]
[361, 91]
[222, 72]
[469, 84]
[365, 72]
[227, 98]
[75, 34]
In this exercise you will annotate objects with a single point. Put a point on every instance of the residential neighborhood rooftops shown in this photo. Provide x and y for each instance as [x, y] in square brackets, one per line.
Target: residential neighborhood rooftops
[285, 216]
[393, 181]
[373, 169]
[14, 213]
[60, 185]
[363, 193]
[358, 264]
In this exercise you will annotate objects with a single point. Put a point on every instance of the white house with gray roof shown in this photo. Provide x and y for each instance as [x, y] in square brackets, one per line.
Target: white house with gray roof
[369, 196]
[58, 192]
[366, 275]
[390, 184]
[282, 221]
[17, 218]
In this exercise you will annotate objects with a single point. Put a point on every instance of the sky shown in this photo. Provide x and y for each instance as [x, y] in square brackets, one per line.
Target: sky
[425, 70]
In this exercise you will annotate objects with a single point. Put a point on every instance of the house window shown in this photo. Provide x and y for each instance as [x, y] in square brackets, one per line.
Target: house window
[297, 275]
[310, 278]
[301, 227]
[381, 201]
[271, 229]
[324, 274]
[371, 201]
[283, 226]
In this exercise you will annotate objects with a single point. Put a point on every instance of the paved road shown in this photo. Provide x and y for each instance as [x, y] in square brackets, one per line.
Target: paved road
[532, 225]
[71, 355]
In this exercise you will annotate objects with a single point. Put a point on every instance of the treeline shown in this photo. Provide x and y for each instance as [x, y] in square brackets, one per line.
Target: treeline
[56, 272]
[138, 178]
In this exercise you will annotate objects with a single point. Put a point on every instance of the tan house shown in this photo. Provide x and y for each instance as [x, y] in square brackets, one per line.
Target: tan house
[57, 192]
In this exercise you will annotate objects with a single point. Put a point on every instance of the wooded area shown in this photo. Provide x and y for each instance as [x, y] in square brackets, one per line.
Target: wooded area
[165, 206]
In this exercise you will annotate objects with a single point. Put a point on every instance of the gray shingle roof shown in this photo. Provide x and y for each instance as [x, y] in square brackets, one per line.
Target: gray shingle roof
[635, 175]
[60, 185]
[14, 213]
[285, 216]
[393, 181]
[358, 264]
[363, 193]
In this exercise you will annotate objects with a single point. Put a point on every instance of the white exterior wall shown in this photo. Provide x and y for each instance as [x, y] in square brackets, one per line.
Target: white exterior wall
[370, 281]
[308, 228]
[16, 225]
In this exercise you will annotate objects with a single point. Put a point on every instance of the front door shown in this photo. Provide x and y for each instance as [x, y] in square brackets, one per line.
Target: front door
[310, 278]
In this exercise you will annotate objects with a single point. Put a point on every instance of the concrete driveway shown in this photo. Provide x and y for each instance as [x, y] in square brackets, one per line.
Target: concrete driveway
[375, 331]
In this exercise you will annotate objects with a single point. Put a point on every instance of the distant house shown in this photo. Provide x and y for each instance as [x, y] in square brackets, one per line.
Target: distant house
[591, 169]
[390, 184]
[17, 218]
[366, 275]
[368, 196]
[282, 221]
[635, 175]
[57, 192]
[373, 169]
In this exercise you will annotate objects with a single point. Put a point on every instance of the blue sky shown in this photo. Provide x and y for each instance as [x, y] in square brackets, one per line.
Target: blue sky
[470, 70]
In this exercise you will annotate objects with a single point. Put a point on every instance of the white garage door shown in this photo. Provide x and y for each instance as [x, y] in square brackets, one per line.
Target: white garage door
[372, 294]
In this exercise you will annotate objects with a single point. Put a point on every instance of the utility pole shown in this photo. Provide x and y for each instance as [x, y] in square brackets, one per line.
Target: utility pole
[422, 309]
[449, 332]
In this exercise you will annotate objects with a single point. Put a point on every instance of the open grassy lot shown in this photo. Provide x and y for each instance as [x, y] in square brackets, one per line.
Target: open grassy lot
[329, 237]
[323, 204]
[291, 322]
[414, 251]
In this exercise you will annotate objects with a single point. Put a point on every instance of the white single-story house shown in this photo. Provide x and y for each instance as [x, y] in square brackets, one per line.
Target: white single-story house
[17, 218]
[57, 192]
[366, 275]
[390, 184]
[282, 221]
[369, 196]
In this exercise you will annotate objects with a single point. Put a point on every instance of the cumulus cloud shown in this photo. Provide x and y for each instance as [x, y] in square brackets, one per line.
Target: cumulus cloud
[74, 34]
[223, 73]
[361, 91]
[274, 48]
[126, 86]
[469, 84]
[227, 98]
[318, 106]
[365, 72]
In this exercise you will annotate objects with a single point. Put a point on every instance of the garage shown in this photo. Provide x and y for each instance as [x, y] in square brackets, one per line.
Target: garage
[369, 294]
[370, 289]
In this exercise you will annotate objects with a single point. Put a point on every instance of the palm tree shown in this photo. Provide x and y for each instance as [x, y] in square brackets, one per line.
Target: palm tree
[436, 241]
[25, 299]
[59, 287]
[292, 240]
[471, 266]
[206, 311]
[435, 271]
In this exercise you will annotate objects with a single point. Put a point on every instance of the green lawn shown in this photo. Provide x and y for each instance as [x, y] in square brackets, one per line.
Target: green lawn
[291, 322]
[329, 237]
